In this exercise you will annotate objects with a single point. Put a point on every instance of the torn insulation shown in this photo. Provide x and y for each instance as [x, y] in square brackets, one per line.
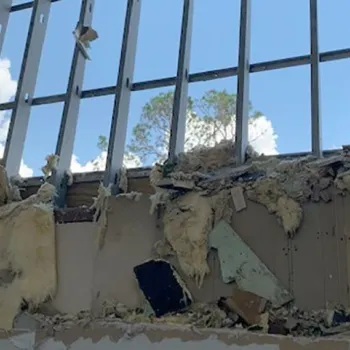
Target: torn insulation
[27, 241]
[101, 208]
[123, 180]
[187, 222]
[51, 164]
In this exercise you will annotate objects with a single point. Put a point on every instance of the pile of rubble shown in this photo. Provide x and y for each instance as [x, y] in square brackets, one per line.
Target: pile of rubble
[225, 314]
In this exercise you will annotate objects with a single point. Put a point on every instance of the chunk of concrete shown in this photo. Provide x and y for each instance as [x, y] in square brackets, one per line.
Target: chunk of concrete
[162, 287]
[240, 264]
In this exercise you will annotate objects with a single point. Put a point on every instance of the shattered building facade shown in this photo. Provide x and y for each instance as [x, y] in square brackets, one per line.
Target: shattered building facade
[230, 248]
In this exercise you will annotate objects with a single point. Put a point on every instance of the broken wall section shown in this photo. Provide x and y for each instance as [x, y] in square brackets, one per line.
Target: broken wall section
[27, 250]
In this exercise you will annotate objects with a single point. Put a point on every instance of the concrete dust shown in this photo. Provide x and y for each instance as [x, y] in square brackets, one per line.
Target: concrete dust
[100, 217]
[27, 250]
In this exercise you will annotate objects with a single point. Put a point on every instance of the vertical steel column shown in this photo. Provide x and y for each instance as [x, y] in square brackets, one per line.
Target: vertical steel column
[5, 8]
[242, 110]
[121, 106]
[178, 121]
[316, 127]
[26, 86]
[66, 135]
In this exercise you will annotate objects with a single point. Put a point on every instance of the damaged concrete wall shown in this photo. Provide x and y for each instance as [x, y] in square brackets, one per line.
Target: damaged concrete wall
[156, 337]
[313, 265]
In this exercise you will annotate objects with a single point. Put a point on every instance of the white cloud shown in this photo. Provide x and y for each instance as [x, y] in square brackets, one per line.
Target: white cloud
[8, 88]
[99, 163]
[261, 134]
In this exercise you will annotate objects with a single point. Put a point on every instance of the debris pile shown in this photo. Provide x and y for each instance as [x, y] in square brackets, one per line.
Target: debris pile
[243, 311]
[27, 249]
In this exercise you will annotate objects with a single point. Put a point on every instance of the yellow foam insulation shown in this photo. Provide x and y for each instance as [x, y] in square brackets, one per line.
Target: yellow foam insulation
[133, 195]
[204, 158]
[51, 164]
[15, 189]
[290, 214]
[157, 199]
[101, 208]
[222, 205]
[156, 175]
[342, 182]
[27, 249]
[163, 248]
[187, 221]
[4, 186]
[268, 192]
[123, 180]
[70, 178]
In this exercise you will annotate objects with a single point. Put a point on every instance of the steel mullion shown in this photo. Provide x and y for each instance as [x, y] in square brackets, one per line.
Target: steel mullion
[117, 137]
[179, 113]
[242, 103]
[26, 86]
[5, 9]
[316, 127]
[66, 136]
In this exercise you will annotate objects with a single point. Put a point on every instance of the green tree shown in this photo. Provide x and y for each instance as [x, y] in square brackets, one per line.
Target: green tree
[210, 119]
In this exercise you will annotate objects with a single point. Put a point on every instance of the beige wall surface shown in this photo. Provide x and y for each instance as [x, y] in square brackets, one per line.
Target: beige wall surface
[313, 266]
[161, 337]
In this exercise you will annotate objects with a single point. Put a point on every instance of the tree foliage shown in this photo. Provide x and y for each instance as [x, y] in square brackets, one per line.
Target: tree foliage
[210, 119]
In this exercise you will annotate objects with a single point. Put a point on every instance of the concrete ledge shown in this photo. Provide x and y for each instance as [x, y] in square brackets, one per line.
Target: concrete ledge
[148, 336]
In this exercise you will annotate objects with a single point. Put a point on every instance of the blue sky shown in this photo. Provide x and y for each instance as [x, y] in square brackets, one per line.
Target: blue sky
[279, 29]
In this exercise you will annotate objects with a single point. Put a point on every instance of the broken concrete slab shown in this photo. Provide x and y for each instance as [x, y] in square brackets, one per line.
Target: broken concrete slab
[240, 264]
[162, 287]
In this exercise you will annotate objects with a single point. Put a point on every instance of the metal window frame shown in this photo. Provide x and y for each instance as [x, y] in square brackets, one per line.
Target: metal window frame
[316, 125]
[70, 115]
[5, 10]
[242, 102]
[125, 86]
[122, 91]
[26, 86]
[178, 120]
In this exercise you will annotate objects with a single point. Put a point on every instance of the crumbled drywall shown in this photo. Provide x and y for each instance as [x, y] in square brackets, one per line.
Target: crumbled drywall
[51, 164]
[101, 208]
[187, 221]
[27, 249]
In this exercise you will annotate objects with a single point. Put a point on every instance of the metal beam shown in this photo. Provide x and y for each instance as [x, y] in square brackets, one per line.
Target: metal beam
[117, 137]
[26, 5]
[316, 125]
[179, 113]
[66, 136]
[26, 86]
[297, 61]
[5, 8]
[242, 102]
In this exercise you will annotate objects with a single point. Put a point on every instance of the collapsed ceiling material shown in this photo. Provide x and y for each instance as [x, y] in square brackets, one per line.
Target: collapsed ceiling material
[27, 250]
